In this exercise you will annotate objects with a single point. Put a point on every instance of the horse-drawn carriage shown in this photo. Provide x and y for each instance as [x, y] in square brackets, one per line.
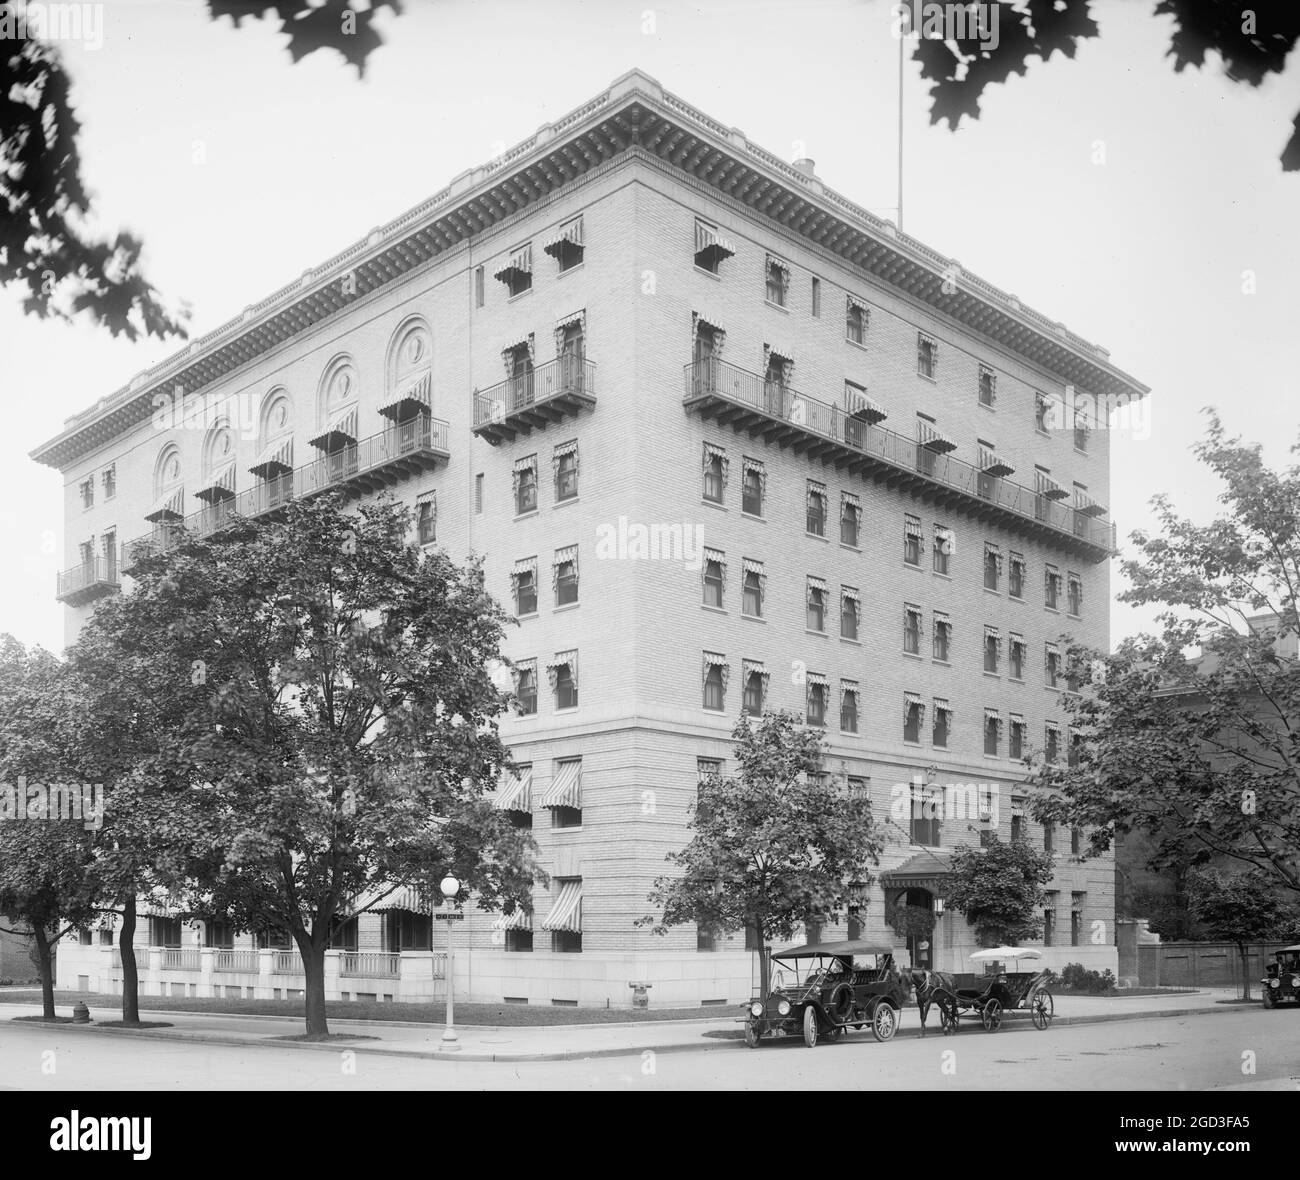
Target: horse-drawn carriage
[990, 996]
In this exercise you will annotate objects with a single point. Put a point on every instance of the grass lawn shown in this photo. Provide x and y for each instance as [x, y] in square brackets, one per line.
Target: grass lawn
[504, 1015]
[1122, 993]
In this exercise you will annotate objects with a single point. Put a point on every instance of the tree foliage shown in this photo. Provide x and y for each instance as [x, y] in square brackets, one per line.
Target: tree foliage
[1240, 908]
[776, 846]
[1000, 889]
[1199, 753]
[1252, 42]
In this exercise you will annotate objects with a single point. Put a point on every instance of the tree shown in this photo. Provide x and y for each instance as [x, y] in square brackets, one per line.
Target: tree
[1000, 889]
[1197, 753]
[776, 846]
[346, 734]
[47, 879]
[47, 241]
[1252, 43]
[1240, 908]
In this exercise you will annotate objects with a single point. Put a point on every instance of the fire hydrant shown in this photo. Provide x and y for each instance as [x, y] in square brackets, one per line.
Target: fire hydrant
[639, 997]
[80, 1013]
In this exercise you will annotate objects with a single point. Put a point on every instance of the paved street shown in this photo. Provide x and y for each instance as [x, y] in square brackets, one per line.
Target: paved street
[1167, 1053]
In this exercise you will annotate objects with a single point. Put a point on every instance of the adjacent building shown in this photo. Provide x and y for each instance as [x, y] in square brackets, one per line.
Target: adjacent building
[727, 440]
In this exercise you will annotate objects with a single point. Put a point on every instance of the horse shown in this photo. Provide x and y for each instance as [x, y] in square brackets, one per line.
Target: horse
[929, 987]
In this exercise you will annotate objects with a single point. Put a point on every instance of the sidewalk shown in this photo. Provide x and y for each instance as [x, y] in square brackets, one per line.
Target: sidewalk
[576, 1041]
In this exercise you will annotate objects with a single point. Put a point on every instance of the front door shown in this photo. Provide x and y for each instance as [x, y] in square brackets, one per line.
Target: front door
[920, 942]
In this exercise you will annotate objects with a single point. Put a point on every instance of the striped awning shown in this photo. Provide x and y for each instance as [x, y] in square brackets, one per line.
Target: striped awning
[566, 913]
[519, 920]
[816, 494]
[415, 395]
[342, 428]
[751, 566]
[992, 633]
[1045, 485]
[851, 593]
[861, 304]
[276, 458]
[169, 506]
[516, 791]
[527, 463]
[220, 485]
[570, 233]
[849, 505]
[863, 407]
[990, 464]
[941, 705]
[716, 555]
[525, 565]
[991, 714]
[521, 262]
[754, 667]
[566, 788]
[817, 678]
[913, 699]
[380, 900]
[707, 239]
[932, 439]
[912, 526]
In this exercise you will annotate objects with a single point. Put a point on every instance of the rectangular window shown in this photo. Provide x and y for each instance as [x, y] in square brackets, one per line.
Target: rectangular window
[816, 513]
[519, 941]
[850, 605]
[566, 576]
[87, 492]
[715, 681]
[710, 247]
[1081, 429]
[942, 724]
[526, 485]
[912, 629]
[850, 519]
[751, 501]
[1074, 749]
[778, 279]
[524, 576]
[988, 386]
[1016, 578]
[1049, 837]
[1052, 665]
[913, 717]
[816, 700]
[992, 566]
[1076, 927]
[526, 687]
[855, 322]
[566, 471]
[517, 274]
[1052, 588]
[478, 493]
[564, 680]
[1042, 413]
[942, 636]
[1016, 738]
[1017, 818]
[849, 706]
[1076, 839]
[566, 247]
[911, 540]
[755, 688]
[715, 577]
[110, 482]
[992, 732]
[926, 435]
[927, 817]
[752, 597]
[108, 546]
[1049, 923]
[816, 614]
[478, 287]
[715, 473]
[992, 649]
[816, 297]
[858, 414]
[1016, 656]
[927, 355]
[1051, 743]
[1075, 595]
[943, 546]
[426, 510]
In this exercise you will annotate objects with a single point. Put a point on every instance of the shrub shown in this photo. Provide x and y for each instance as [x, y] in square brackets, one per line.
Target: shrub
[1076, 977]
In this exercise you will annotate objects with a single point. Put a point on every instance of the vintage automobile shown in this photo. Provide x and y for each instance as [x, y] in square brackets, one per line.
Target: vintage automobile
[1282, 983]
[825, 988]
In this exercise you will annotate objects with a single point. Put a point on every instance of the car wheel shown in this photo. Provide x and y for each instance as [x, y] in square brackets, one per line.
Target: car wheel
[992, 1015]
[1043, 1010]
[1269, 1000]
[884, 1021]
[810, 1027]
[751, 1034]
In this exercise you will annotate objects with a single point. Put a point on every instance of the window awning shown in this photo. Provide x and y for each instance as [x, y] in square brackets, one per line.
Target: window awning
[566, 788]
[1016, 640]
[519, 920]
[754, 667]
[276, 458]
[521, 262]
[568, 554]
[379, 900]
[715, 659]
[941, 617]
[992, 633]
[710, 243]
[926, 870]
[1048, 487]
[751, 566]
[990, 464]
[566, 913]
[711, 452]
[846, 687]
[993, 552]
[817, 678]
[716, 555]
[516, 791]
[569, 234]
[861, 304]
[342, 428]
[863, 407]
[932, 439]
[1085, 505]
[912, 526]
[851, 593]
[527, 463]
[780, 264]
[525, 565]
[816, 494]
[415, 396]
[220, 485]
[942, 706]
[992, 715]
[169, 506]
[816, 584]
[912, 700]
[849, 505]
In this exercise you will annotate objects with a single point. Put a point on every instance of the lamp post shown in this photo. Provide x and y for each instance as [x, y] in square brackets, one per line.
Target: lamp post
[450, 1043]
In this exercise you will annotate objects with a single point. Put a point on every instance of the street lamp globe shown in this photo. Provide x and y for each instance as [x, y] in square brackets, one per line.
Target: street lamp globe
[450, 886]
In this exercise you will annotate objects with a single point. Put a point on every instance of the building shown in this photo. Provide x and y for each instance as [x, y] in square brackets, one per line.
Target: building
[725, 437]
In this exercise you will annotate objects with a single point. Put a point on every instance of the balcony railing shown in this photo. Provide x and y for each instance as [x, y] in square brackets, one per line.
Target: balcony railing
[245, 961]
[378, 461]
[180, 959]
[765, 408]
[534, 400]
[375, 964]
[89, 580]
[286, 963]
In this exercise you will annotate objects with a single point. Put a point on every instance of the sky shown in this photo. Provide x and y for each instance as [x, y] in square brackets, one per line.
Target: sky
[1144, 209]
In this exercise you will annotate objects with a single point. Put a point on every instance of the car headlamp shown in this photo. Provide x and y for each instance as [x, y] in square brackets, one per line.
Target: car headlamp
[783, 1007]
[1295, 981]
[756, 1008]
[1274, 983]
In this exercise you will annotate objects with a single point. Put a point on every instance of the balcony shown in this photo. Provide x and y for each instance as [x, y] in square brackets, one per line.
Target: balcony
[532, 401]
[365, 466]
[778, 414]
[90, 580]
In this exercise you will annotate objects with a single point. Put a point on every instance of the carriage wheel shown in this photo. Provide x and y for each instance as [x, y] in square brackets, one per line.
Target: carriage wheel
[751, 1034]
[810, 1027]
[948, 1017]
[1043, 1010]
[884, 1021]
[991, 1015]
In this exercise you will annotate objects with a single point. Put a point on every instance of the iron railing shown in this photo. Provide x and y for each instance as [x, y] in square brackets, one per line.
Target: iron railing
[97, 574]
[565, 376]
[714, 378]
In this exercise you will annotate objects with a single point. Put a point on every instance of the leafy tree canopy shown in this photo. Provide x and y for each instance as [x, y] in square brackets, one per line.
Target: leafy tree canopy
[1001, 890]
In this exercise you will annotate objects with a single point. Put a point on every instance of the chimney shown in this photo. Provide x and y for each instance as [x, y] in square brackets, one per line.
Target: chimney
[806, 166]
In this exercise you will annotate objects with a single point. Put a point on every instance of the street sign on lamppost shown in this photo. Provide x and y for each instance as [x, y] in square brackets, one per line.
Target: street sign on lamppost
[450, 1043]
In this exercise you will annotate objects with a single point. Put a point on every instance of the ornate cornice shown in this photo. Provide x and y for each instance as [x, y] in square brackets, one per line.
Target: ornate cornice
[634, 114]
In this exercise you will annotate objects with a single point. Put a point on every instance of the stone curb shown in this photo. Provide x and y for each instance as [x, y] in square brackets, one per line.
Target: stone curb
[696, 1046]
